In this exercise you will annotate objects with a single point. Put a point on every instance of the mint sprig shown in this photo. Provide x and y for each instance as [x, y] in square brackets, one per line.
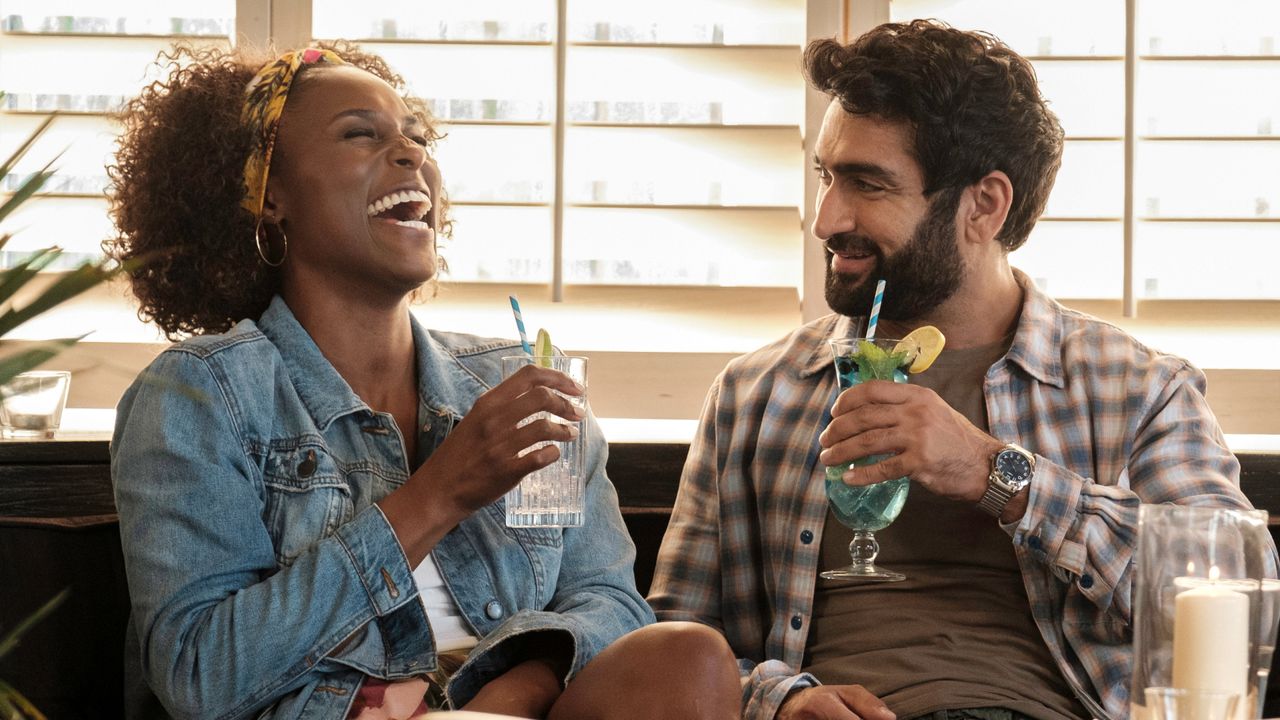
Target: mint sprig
[875, 363]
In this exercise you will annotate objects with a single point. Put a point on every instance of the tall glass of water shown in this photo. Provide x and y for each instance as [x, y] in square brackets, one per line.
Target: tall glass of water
[553, 496]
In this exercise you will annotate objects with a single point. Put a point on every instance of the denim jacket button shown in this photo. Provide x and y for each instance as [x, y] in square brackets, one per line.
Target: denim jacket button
[493, 609]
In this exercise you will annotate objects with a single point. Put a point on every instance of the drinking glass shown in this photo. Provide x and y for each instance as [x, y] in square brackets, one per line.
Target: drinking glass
[865, 509]
[31, 403]
[1165, 703]
[554, 495]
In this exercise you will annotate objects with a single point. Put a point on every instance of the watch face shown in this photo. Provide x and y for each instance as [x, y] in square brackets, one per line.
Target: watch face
[1014, 466]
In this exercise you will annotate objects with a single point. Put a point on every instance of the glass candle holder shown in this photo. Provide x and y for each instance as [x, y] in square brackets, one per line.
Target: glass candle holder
[1204, 609]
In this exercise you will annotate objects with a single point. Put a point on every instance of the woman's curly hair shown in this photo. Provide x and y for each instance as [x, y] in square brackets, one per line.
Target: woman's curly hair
[973, 105]
[178, 180]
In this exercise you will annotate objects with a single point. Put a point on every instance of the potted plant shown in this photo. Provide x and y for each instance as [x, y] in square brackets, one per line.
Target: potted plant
[18, 305]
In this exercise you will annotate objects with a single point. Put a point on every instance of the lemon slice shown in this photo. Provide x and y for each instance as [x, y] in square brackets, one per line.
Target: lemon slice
[922, 345]
[542, 350]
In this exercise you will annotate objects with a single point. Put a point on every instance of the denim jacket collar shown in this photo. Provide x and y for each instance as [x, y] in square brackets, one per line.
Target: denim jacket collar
[324, 392]
[445, 386]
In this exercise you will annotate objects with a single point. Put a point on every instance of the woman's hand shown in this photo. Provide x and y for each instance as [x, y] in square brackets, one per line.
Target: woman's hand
[480, 459]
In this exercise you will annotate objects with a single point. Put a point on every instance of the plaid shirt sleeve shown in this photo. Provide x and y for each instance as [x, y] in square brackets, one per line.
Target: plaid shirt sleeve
[1113, 425]
[686, 584]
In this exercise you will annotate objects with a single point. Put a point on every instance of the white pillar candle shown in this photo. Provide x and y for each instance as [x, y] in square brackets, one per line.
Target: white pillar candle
[1211, 639]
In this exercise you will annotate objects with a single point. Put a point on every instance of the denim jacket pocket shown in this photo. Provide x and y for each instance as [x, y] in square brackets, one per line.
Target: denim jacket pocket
[307, 495]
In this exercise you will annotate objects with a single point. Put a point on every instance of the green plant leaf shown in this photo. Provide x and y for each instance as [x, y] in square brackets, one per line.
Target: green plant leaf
[30, 358]
[16, 277]
[13, 706]
[71, 284]
[14, 636]
[26, 145]
[28, 188]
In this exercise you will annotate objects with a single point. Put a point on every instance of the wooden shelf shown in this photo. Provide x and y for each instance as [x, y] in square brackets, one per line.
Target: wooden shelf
[1075, 58]
[1209, 219]
[674, 206]
[1117, 219]
[1209, 58]
[680, 126]
[679, 46]
[1209, 138]
[499, 203]
[118, 36]
[495, 123]
[438, 41]
[73, 113]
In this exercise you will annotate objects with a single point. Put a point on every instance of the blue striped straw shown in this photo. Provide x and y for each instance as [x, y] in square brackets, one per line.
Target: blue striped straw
[875, 310]
[524, 337]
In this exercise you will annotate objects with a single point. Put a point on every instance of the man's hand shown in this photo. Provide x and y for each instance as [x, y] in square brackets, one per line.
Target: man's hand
[935, 446]
[833, 702]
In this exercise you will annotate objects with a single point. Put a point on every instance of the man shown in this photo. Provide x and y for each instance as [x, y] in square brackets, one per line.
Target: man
[936, 157]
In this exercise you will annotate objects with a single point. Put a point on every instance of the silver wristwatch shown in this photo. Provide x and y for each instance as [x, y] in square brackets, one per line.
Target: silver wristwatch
[1011, 470]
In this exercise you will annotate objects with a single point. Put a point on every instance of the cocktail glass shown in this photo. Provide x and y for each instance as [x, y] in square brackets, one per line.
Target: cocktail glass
[866, 509]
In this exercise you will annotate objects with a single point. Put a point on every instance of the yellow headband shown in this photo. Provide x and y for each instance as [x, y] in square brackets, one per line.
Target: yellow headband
[264, 99]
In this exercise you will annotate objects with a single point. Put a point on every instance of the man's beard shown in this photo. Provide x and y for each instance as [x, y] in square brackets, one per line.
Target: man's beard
[918, 278]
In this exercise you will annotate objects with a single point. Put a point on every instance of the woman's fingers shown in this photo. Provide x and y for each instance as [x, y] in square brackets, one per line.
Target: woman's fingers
[532, 376]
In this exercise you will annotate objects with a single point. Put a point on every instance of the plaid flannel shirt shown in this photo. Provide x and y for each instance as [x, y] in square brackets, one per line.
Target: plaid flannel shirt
[1112, 423]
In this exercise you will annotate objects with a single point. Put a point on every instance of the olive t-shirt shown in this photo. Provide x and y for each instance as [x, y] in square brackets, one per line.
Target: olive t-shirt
[958, 632]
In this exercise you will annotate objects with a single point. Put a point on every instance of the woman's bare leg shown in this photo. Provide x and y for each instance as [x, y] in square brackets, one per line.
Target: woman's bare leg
[670, 670]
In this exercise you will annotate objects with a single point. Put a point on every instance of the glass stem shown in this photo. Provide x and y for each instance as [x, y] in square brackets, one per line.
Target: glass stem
[864, 549]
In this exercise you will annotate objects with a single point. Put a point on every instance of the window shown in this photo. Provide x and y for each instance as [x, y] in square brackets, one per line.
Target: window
[1206, 203]
[111, 46]
[680, 163]
[663, 201]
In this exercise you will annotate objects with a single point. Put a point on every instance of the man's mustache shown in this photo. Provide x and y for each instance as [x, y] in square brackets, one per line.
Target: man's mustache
[849, 244]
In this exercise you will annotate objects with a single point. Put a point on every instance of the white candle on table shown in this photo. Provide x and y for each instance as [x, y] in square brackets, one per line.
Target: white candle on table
[1211, 638]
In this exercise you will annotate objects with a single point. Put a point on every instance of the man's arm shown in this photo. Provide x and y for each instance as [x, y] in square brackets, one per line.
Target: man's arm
[1178, 455]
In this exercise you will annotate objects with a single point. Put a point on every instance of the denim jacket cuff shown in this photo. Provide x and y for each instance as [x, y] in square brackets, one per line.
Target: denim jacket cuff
[398, 639]
[376, 556]
[527, 635]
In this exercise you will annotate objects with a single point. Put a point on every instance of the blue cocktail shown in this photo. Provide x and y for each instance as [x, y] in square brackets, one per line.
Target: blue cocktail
[865, 509]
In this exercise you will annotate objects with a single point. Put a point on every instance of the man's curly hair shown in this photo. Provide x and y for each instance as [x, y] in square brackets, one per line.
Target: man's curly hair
[972, 103]
[177, 182]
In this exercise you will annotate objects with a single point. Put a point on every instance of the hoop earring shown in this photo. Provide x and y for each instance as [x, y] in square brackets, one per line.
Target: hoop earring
[260, 239]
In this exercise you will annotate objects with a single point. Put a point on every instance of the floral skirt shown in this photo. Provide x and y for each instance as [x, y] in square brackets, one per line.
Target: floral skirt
[406, 699]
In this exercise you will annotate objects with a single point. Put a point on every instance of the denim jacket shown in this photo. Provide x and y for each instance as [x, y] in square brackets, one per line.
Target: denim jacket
[264, 580]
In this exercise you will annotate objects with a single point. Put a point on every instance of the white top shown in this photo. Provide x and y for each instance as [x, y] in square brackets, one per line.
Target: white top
[450, 629]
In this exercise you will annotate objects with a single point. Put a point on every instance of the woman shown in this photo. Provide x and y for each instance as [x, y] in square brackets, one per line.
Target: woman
[308, 487]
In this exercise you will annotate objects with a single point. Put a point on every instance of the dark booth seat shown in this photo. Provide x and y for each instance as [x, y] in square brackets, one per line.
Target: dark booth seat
[58, 530]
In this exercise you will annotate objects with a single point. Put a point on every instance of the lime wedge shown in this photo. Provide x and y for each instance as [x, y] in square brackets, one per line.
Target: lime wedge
[542, 350]
[922, 345]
